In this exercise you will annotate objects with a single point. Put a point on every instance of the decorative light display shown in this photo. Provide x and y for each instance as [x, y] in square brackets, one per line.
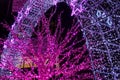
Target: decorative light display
[63, 40]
